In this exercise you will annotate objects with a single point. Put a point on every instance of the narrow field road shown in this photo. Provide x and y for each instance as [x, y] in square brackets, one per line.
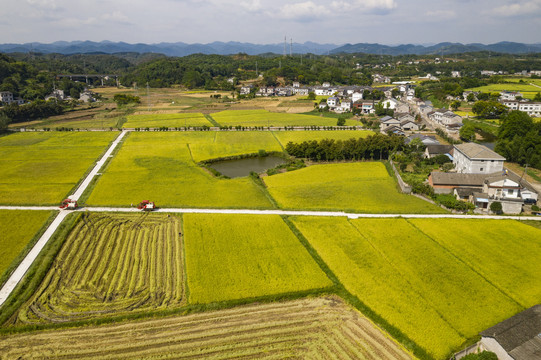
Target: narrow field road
[282, 212]
[23, 267]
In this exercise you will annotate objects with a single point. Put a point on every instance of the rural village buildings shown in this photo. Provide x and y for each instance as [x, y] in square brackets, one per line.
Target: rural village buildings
[481, 179]
[6, 97]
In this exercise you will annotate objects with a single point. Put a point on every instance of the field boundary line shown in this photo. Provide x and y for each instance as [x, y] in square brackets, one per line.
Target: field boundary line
[27, 262]
[86, 182]
[451, 253]
[278, 141]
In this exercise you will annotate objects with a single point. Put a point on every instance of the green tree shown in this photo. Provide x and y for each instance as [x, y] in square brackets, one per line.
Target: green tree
[455, 105]
[537, 97]
[496, 207]
[341, 121]
[311, 95]
[470, 97]
[4, 122]
[467, 132]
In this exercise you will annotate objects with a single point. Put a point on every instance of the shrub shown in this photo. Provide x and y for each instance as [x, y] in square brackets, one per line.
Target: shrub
[496, 207]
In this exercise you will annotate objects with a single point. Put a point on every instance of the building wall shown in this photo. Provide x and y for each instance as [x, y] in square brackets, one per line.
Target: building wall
[491, 344]
[464, 165]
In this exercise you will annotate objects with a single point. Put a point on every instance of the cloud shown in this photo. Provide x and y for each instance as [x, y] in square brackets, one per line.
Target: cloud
[43, 4]
[441, 14]
[303, 11]
[311, 10]
[517, 8]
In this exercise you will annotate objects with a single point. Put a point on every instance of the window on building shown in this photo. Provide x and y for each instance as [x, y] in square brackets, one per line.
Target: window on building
[510, 191]
[481, 169]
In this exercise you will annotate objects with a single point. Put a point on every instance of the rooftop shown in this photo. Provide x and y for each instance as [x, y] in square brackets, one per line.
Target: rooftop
[519, 335]
[478, 152]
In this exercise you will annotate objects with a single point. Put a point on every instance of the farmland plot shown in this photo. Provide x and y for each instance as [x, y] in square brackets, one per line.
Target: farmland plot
[360, 187]
[159, 167]
[167, 120]
[419, 287]
[110, 265]
[41, 168]
[318, 328]
[18, 228]
[266, 118]
[231, 257]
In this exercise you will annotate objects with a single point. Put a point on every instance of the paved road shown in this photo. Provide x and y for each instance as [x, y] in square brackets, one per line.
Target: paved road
[23, 267]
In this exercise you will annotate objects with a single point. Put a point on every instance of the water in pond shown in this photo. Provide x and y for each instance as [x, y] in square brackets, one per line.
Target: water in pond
[243, 167]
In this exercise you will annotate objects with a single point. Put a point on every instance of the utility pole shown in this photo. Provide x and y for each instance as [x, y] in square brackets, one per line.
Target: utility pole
[285, 46]
[256, 71]
[291, 48]
[148, 96]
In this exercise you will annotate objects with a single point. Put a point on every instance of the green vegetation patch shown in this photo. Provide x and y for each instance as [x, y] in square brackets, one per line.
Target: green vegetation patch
[231, 257]
[159, 167]
[267, 118]
[41, 167]
[167, 120]
[299, 136]
[414, 275]
[18, 229]
[111, 264]
[360, 187]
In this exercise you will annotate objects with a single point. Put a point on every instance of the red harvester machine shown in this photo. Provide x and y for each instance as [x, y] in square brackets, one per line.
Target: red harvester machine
[146, 205]
[69, 204]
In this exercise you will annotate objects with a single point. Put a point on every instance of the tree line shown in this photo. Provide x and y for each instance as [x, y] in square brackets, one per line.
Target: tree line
[373, 147]
[519, 139]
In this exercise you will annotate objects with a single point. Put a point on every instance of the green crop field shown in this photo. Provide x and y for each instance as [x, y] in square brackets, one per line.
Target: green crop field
[18, 228]
[159, 167]
[42, 167]
[436, 286]
[360, 187]
[314, 328]
[205, 145]
[167, 120]
[266, 118]
[299, 136]
[111, 264]
[231, 257]
[526, 89]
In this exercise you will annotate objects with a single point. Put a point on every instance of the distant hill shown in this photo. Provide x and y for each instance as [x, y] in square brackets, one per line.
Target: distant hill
[228, 48]
[169, 49]
[444, 48]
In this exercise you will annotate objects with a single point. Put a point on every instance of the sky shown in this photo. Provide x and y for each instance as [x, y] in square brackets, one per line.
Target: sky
[338, 22]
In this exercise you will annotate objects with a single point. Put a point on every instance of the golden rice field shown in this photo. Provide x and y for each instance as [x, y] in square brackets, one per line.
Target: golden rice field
[231, 256]
[316, 328]
[18, 228]
[41, 168]
[273, 119]
[437, 286]
[160, 167]
[111, 264]
[358, 187]
[167, 120]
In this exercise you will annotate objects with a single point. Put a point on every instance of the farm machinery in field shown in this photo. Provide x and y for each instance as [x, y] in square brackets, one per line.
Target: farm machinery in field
[146, 205]
[69, 204]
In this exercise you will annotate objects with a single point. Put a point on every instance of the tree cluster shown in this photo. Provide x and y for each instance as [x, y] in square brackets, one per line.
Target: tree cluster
[374, 147]
[489, 109]
[38, 109]
[519, 139]
[125, 99]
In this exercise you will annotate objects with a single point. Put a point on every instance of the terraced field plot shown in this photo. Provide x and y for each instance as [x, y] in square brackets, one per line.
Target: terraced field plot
[361, 187]
[433, 291]
[111, 264]
[159, 166]
[18, 228]
[320, 328]
[41, 168]
[231, 257]
[267, 118]
[168, 120]
[526, 89]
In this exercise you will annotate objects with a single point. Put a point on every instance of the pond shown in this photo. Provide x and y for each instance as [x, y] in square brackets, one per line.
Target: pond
[243, 167]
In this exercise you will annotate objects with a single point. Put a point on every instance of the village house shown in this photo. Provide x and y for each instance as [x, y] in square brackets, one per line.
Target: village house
[510, 95]
[472, 158]
[56, 94]
[516, 338]
[425, 139]
[6, 97]
[529, 107]
[87, 96]
[433, 150]
[390, 104]
[246, 89]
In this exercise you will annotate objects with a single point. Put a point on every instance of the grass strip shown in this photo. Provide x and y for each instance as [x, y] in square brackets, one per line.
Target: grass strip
[211, 120]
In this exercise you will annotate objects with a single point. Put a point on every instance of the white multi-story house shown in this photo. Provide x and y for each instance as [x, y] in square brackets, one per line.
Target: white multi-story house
[356, 96]
[6, 97]
[472, 158]
[390, 104]
[509, 95]
[245, 90]
[531, 108]
[455, 74]
[333, 102]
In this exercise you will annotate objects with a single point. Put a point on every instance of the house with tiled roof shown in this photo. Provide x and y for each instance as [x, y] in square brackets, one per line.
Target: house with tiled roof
[517, 338]
[472, 158]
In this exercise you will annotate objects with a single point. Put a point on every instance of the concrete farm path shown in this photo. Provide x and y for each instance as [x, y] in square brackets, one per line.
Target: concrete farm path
[23, 267]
